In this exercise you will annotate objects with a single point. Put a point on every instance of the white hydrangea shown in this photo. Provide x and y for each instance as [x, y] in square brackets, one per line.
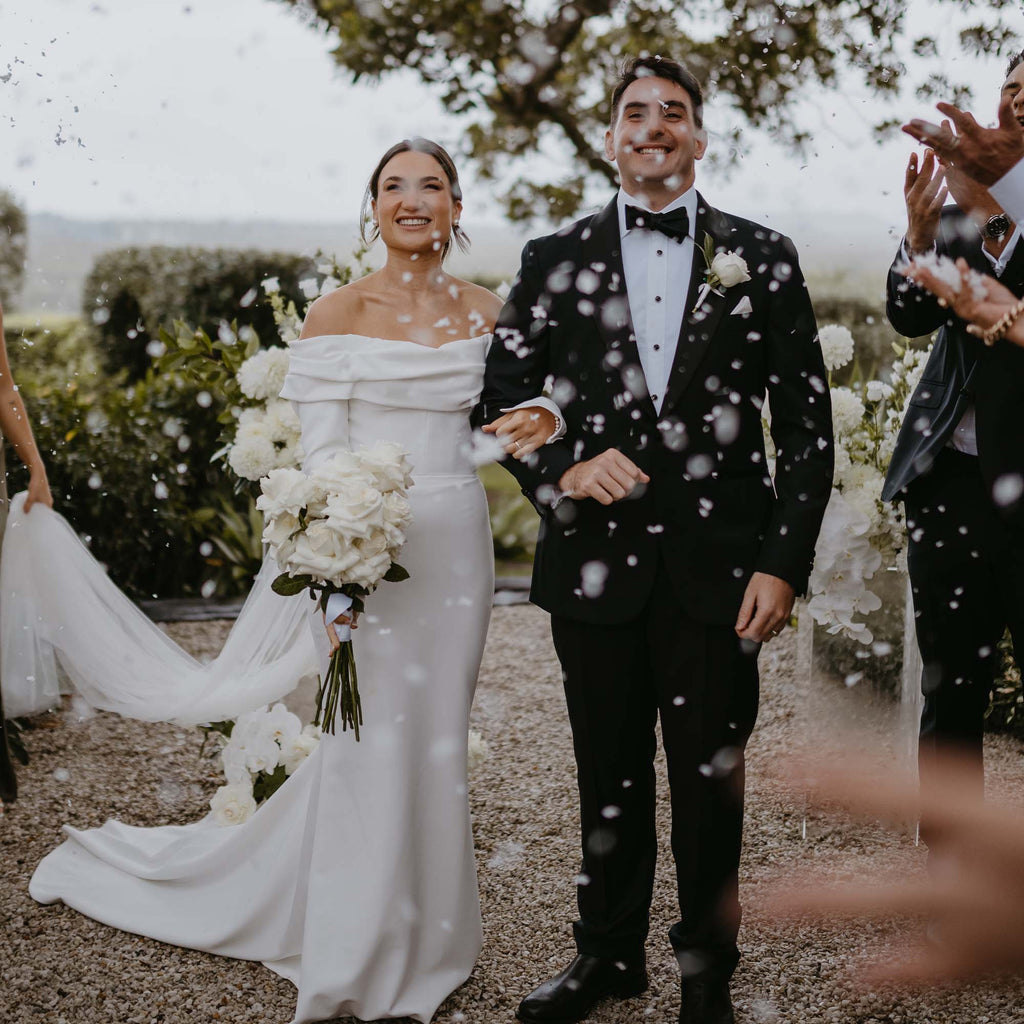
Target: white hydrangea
[847, 411]
[253, 455]
[836, 345]
[262, 375]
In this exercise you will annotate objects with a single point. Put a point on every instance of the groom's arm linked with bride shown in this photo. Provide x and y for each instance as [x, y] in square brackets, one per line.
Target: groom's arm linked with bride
[668, 546]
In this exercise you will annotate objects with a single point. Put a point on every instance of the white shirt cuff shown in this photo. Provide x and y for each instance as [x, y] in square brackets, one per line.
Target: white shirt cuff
[543, 402]
[999, 263]
[1008, 192]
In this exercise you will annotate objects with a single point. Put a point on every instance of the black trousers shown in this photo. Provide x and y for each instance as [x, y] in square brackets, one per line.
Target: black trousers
[704, 686]
[967, 573]
[8, 780]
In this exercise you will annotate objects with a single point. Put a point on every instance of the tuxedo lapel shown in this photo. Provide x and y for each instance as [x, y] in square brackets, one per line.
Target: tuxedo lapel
[602, 254]
[699, 321]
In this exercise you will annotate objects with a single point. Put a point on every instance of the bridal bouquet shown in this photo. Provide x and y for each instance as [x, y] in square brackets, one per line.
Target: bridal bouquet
[338, 531]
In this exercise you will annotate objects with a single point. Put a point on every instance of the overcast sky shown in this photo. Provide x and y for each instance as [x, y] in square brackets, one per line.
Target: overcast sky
[211, 109]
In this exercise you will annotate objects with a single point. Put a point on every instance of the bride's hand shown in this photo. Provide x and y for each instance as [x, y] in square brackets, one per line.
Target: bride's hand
[345, 619]
[38, 491]
[523, 430]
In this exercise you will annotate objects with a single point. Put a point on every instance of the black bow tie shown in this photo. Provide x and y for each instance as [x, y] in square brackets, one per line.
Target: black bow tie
[674, 224]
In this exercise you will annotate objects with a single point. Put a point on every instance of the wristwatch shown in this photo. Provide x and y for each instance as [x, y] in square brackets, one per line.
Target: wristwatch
[997, 227]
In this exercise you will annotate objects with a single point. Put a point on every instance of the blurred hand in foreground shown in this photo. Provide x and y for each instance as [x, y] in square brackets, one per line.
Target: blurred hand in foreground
[972, 897]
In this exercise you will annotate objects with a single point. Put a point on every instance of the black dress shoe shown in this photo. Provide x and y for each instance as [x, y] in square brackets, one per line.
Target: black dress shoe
[706, 1002]
[572, 995]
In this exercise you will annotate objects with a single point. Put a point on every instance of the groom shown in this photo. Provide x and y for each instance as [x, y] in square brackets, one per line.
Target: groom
[666, 555]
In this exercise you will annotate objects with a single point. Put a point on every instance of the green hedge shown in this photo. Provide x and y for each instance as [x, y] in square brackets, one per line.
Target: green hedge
[130, 292]
[129, 467]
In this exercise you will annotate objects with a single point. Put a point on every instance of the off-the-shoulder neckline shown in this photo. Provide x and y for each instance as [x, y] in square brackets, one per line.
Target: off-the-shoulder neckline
[399, 341]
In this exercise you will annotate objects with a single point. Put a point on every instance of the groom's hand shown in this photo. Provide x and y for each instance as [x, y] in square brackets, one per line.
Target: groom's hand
[767, 605]
[607, 477]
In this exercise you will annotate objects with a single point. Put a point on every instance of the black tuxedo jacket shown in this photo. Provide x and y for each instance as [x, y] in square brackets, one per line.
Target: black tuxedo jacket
[960, 370]
[710, 512]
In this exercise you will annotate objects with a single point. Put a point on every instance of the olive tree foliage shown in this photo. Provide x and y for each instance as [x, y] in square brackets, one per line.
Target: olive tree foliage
[13, 242]
[533, 76]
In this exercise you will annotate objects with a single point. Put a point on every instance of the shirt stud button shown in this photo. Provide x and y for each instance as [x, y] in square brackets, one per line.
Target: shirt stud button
[657, 348]
[661, 252]
[657, 298]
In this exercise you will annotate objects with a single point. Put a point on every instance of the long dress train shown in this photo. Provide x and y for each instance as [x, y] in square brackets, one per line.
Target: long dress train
[356, 880]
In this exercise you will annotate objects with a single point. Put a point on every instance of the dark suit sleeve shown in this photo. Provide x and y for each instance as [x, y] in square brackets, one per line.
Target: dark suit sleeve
[912, 311]
[517, 367]
[801, 427]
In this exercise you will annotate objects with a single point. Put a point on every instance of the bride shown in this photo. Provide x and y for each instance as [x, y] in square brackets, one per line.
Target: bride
[356, 880]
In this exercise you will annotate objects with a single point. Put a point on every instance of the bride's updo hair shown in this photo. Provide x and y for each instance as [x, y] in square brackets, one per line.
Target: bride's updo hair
[370, 232]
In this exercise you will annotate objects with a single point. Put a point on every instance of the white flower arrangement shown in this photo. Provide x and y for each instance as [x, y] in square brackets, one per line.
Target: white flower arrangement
[261, 749]
[860, 534]
[266, 433]
[836, 345]
[339, 531]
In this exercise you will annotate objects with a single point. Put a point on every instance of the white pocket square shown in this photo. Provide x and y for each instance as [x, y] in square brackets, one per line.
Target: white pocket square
[743, 307]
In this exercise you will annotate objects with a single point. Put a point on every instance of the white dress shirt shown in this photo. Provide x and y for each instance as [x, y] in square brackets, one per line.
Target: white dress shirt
[657, 271]
[965, 435]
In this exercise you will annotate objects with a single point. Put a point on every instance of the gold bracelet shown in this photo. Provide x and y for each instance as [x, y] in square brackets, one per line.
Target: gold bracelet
[1001, 326]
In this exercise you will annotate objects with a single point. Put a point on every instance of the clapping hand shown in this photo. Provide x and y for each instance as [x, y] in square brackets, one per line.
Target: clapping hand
[986, 154]
[925, 191]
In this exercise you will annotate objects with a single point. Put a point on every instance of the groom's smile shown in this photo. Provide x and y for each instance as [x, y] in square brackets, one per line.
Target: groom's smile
[655, 140]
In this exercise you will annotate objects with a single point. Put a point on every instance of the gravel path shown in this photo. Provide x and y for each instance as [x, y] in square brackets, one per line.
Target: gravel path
[58, 967]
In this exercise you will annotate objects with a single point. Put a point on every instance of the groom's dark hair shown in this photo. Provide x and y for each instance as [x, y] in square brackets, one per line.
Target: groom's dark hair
[1016, 59]
[658, 67]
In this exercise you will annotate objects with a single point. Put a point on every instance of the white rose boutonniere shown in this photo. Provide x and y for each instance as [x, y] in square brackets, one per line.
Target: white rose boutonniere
[722, 270]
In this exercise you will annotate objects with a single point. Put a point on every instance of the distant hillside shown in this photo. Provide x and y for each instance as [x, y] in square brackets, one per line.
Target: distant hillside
[845, 256]
[61, 251]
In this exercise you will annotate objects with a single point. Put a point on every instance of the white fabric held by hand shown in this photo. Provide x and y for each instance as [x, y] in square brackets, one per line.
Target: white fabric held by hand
[339, 604]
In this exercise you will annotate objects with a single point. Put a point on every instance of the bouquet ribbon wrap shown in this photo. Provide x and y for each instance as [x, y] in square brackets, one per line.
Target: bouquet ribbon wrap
[338, 604]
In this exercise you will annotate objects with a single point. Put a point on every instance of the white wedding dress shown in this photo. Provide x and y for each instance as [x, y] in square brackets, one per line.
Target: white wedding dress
[356, 880]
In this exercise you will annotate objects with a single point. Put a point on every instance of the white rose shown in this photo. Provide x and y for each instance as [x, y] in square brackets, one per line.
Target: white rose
[327, 561]
[388, 464]
[329, 284]
[280, 528]
[877, 391]
[271, 285]
[309, 287]
[337, 473]
[283, 491]
[232, 804]
[296, 749]
[836, 345]
[730, 269]
[357, 512]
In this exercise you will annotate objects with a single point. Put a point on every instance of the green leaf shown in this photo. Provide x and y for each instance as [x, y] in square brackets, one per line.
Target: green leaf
[396, 574]
[288, 586]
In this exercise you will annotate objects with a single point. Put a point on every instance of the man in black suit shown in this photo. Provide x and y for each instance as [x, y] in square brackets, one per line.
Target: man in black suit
[958, 464]
[666, 555]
